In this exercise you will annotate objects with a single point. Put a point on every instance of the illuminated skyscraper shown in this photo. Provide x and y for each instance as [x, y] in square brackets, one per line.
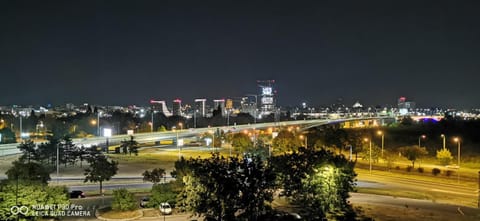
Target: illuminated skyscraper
[177, 107]
[267, 97]
[219, 103]
[200, 106]
[160, 106]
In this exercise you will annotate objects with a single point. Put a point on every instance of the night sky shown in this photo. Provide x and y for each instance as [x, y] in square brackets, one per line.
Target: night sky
[127, 52]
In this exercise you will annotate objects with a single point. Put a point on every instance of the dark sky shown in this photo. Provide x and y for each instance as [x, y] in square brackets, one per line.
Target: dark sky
[127, 52]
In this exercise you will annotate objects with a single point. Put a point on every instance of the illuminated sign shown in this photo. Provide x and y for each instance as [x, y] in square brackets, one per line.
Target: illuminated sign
[229, 104]
[107, 132]
[267, 91]
[267, 100]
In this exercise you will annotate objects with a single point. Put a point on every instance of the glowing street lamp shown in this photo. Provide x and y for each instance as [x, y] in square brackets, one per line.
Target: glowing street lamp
[457, 140]
[370, 150]
[383, 136]
[419, 139]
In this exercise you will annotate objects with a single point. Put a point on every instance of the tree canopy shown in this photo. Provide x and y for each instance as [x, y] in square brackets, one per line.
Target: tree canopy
[317, 180]
[100, 169]
[225, 188]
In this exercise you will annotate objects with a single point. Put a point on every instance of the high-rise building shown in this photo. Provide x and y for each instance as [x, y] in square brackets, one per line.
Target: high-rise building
[200, 106]
[405, 106]
[219, 103]
[248, 105]
[160, 106]
[177, 107]
[267, 97]
[229, 104]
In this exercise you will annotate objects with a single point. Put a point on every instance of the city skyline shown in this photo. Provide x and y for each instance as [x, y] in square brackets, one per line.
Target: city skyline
[127, 53]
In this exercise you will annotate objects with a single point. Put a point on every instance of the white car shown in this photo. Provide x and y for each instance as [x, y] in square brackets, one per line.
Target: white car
[165, 208]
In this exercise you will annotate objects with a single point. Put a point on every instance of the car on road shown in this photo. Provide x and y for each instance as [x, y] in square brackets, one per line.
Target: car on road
[77, 194]
[165, 208]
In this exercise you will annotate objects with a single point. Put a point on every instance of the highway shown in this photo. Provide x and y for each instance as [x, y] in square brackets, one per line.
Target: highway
[11, 149]
[460, 194]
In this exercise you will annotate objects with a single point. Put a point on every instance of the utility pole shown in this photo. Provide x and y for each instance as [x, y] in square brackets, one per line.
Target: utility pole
[58, 156]
[98, 123]
[152, 122]
[195, 118]
[21, 129]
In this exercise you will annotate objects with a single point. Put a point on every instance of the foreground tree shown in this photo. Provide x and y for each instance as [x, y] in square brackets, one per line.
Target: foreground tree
[100, 169]
[20, 193]
[227, 189]
[318, 181]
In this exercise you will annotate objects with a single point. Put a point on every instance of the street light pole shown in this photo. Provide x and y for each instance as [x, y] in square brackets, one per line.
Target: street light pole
[58, 156]
[178, 146]
[21, 136]
[98, 124]
[423, 136]
[151, 127]
[213, 141]
[370, 150]
[195, 118]
[370, 161]
[458, 158]
[254, 119]
[383, 136]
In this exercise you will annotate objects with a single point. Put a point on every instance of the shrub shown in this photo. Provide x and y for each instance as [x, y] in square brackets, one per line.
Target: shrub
[436, 171]
[409, 169]
[448, 173]
[444, 157]
[420, 169]
[123, 200]
[162, 193]
[397, 167]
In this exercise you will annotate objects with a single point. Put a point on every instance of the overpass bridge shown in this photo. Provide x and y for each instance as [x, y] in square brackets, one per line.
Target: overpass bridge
[12, 149]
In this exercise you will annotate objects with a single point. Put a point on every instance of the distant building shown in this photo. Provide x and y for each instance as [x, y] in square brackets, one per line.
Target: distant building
[69, 106]
[160, 106]
[248, 105]
[267, 97]
[177, 107]
[219, 103]
[405, 106]
[200, 106]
